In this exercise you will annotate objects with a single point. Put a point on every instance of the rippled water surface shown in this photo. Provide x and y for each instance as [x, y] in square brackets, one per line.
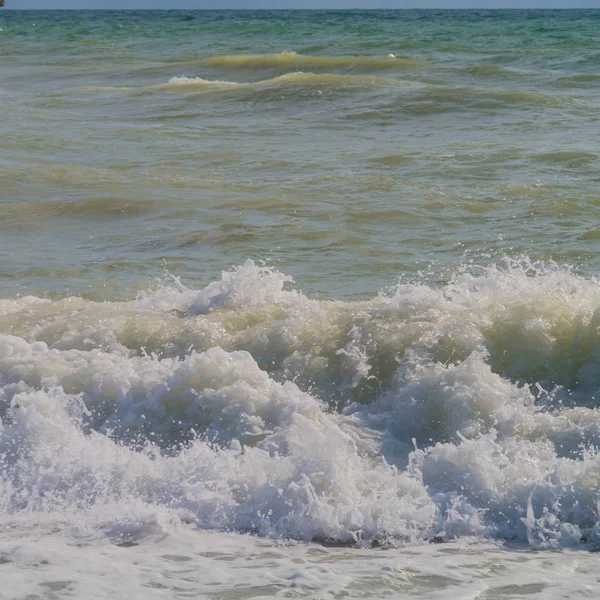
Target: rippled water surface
[347, 148]
[299, 304]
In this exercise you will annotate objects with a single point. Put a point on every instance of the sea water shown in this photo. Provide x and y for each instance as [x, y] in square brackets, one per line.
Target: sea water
[299, 304]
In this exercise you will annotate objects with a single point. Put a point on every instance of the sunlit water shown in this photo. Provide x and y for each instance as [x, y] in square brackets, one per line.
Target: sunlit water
[299, 304]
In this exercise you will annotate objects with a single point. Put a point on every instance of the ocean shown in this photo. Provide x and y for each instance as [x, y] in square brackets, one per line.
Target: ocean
[299, 304]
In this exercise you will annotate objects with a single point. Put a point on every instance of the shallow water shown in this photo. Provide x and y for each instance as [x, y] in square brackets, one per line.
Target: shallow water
[299, 304]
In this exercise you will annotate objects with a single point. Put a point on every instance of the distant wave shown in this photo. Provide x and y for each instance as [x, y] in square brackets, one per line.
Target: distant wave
[298, 78]
[291, 60]
[567, 158]
[491, 70]
[581, 80]
[415, 97]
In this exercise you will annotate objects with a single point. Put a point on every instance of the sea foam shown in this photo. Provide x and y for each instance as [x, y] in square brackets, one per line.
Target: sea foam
[463, 410]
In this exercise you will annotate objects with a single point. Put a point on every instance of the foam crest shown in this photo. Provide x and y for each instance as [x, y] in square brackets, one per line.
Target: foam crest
[199, 82]
[247, 285]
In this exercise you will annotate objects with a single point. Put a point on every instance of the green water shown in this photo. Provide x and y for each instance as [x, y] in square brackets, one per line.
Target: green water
[339, 164]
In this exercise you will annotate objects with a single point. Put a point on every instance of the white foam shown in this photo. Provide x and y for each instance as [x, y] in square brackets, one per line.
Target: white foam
[198, 81]
[458, 411]
[77, 561]
[247, 285]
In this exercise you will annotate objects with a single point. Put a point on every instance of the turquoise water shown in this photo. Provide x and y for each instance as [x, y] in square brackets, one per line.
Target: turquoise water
[287, 297]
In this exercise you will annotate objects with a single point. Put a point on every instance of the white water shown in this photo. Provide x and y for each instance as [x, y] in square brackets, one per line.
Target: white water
[464, 414]
[50, 560]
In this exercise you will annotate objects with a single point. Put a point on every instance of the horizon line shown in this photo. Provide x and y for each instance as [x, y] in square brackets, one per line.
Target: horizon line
[306, 9]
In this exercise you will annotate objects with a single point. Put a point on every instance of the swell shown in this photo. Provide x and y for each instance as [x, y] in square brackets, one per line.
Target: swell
[480, 97]
[107, 206]
[289, 80]
[290, 86]
[406, 96]
[567, 158]
[580, 80]
[491, 70]
[298, 62]
[435, 99]
[294, 78]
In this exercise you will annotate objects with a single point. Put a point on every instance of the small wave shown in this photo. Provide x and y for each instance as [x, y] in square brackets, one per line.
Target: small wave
[391, 160]
[582, 80]
[289, 83]
[302, 62]
[525, 97]
[481, 96]
[92, 42]
[33, 214]
[328, 80]
[101, 88]
[419, 99]
[198, 82]
[490, 70]
[297, 78]
[566, 158]
[437, 99]
[290, 86]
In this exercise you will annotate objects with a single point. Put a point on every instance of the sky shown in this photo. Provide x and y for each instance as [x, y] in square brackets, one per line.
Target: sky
[278, 4]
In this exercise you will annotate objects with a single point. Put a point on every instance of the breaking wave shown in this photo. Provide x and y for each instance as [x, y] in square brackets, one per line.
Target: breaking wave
[468, 409]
